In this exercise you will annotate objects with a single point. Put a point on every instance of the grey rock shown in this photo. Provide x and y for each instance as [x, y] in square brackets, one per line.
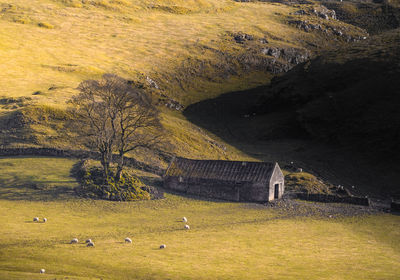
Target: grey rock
[300, 13]
[240, 38]
[152, 83]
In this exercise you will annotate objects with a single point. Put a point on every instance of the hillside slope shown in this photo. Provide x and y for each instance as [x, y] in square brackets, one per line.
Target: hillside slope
[335, 116]
[374, 16]
[179, 51]
[349, 96]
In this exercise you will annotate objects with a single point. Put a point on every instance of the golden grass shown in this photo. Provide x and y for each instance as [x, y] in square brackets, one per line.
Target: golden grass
[165, 40]
[85, 39]
[86, 43]
[226, 240]
[90, 41]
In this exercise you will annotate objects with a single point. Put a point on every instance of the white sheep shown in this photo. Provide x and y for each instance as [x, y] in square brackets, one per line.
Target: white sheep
[88, 240]
[187, 227]
[36, 219]
[163, 246]
[44, 220]
[128, 240]
[90, 244]
[184, 219]
[75, 240]
[42, 270]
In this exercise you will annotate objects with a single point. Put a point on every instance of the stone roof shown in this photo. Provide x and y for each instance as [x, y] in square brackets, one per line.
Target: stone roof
[220, 170]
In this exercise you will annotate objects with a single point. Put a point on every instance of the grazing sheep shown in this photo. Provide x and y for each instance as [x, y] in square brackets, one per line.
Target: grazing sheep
[184, 219]
[75, 240]
[42, 270]
[36, 219]
[90, 244]
[187, 227]
[88, 240]
[128, 240]
[163, 246]
[44, 220]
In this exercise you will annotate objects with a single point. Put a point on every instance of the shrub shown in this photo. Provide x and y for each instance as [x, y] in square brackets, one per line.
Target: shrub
[128, 188]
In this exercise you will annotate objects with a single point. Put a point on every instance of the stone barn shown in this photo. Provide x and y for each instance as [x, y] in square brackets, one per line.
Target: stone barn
[229, 180]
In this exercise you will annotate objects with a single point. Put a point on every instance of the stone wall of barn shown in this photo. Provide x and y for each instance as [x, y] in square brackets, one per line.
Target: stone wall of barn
[204, 188]
[257, 192]
[219, 191]
[252, 192]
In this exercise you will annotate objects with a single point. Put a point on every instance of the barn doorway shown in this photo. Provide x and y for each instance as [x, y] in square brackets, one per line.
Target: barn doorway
[276, 195]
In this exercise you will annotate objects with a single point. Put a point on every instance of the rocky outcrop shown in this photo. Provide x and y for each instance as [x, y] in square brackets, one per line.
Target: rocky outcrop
[152, 83]
[293, 56]
[340, 32]
[305, 25]
[172, 104]
[274, 59]
[242, 37]
[169, 102]
[260, 55]
[324, 12]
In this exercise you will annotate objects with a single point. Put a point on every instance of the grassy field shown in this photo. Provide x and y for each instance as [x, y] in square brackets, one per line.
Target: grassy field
[226, 240]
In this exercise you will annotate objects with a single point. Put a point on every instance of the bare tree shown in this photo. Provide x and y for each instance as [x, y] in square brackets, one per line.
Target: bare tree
[115, 117]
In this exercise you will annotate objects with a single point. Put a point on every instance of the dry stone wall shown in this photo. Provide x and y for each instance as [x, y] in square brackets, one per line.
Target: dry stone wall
[334, 199]
[131, 162]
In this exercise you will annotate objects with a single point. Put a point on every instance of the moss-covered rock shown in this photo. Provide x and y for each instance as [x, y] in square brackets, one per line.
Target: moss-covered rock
[127, 188]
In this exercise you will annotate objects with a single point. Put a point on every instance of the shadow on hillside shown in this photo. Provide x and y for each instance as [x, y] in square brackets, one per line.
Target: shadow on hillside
[277, 136]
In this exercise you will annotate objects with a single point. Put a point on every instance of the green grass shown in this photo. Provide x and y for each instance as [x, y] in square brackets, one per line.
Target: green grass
[226, 240]
[35, 178]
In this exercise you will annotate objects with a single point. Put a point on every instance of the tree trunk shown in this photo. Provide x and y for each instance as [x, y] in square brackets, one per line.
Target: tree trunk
[106, 165]
[120, 167]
